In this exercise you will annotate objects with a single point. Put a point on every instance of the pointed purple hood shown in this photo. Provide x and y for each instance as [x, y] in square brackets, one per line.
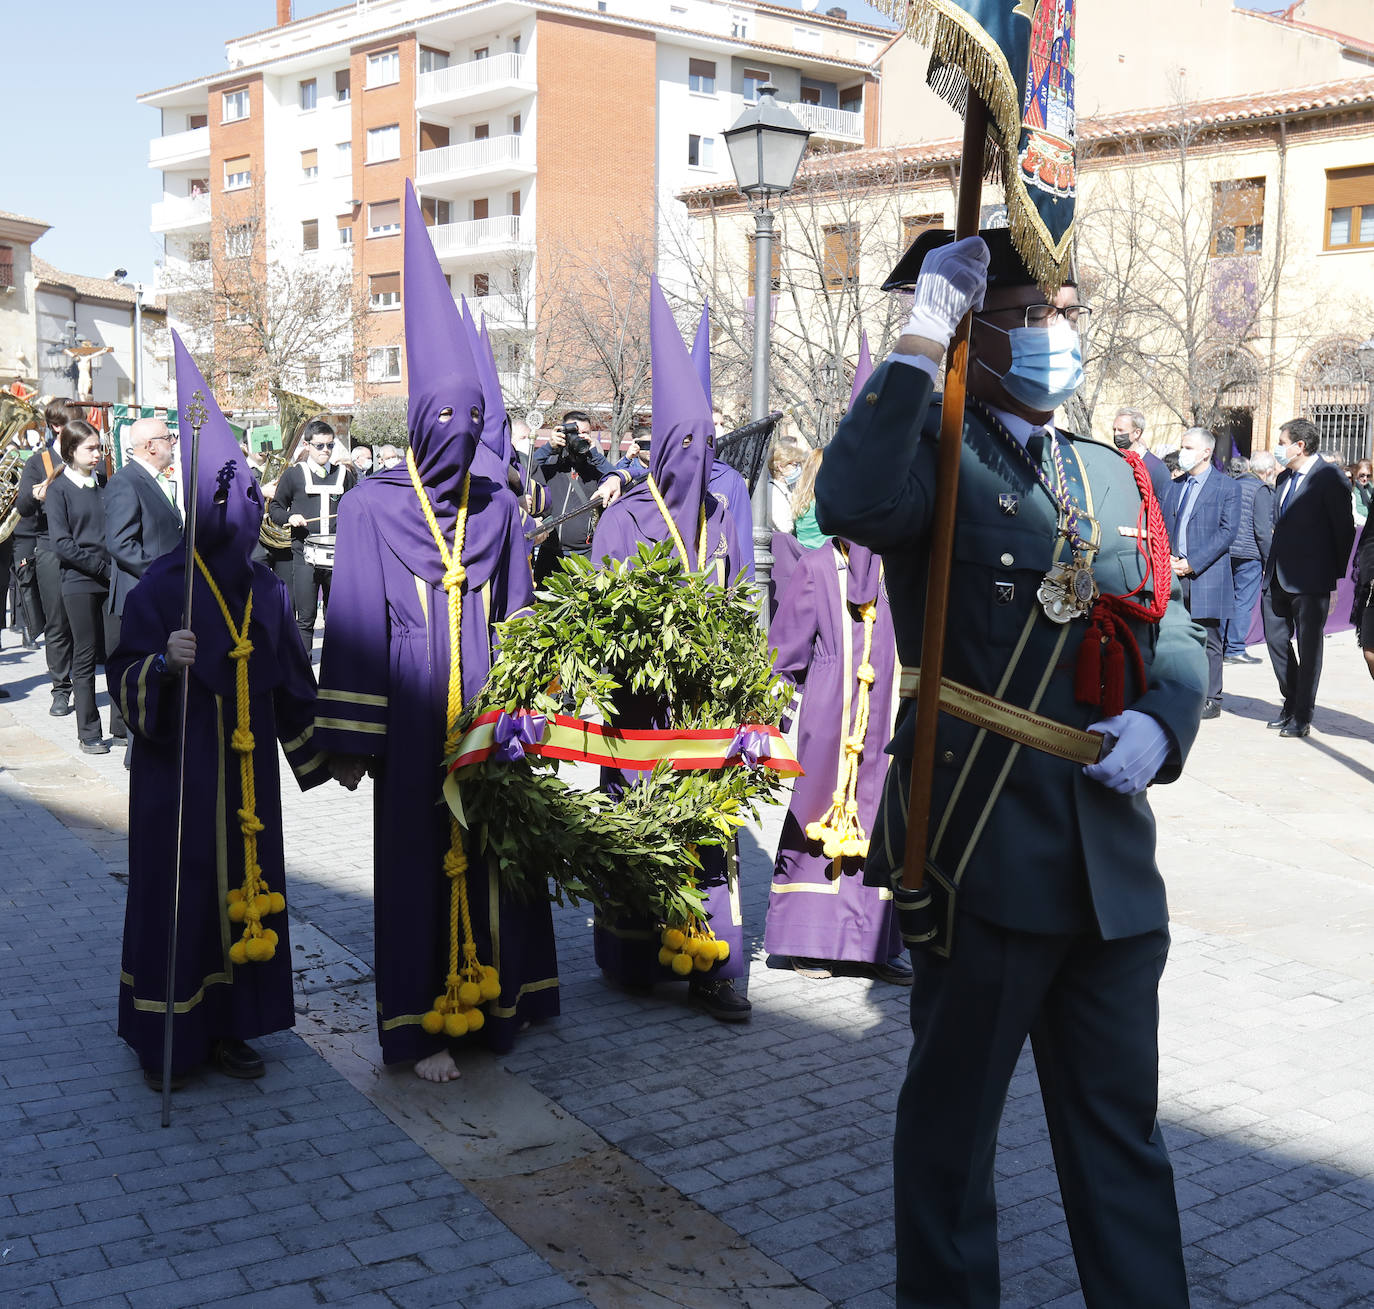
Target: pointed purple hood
[684, 433]
[862, 370]
[228, 501]
[701, 350]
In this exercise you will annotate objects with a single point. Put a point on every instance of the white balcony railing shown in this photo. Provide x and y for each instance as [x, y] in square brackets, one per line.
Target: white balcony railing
[458, 80]
[502, 313]
[481, 233]
[179, 279]
[181, 211]
[844, 123]
[179, 148]
[472, 157]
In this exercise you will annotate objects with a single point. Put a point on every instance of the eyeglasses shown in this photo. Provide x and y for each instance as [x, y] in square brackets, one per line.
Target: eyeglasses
[171, 440]
[316, 445]
[1043, 315]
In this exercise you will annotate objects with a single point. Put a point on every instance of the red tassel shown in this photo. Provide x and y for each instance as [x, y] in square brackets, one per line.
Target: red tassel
[1087, 685]
[1114, 679]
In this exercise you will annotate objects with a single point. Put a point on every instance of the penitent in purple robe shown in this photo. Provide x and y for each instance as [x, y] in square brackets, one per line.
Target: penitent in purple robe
[819, 639]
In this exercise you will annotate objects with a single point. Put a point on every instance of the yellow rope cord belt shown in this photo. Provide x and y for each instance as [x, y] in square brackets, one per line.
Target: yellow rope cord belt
[839, 830]
[255, 900]
[469, 983]
[677, 536]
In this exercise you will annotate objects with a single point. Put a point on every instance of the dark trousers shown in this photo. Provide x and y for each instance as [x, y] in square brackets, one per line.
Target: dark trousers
[1246, 576]
[1215, 644]
[1295, 632]
[307, 585]
[57, 631]
[30, 601]
[95, 633]
[1090, 1008]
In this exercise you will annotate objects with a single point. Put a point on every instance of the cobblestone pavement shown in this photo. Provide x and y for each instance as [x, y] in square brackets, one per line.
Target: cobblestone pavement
[305, 1189]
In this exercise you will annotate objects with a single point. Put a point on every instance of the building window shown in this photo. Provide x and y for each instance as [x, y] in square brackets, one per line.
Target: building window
[841, 255]
[436, 212]
[806, 38]
[852, 99]
[739, 26]
[701, 76]
[307, 93]
[515, 124]
[384, 290]
[700, 151]
[346, 368]
[238, 241]
[195, 122]
[384, 363]
[482, 52]
[343, 157]
[515, 204]
[343, 85]
[313, 369]
[1349, 208]
[914, 224]
[515, 44]
[235, 105]
[384, 218]
[600, 6]
[481, 131]
[481, 284]
[237, 173]
[345, 229]
[776, 262]
[753, 79]
[198, 186]
[481, 209]
[1238, 217]
[6, 266]
[384, 68]
[383, 143]
[310, 234]
[310, 164]
[432, 60]
[198, 252]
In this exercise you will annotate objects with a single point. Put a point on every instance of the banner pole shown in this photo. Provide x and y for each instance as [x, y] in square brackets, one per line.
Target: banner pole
[942, 529]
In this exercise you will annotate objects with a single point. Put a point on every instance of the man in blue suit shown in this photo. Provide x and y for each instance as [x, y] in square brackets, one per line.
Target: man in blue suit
[142, 517]
[1203, 516]
[1314, 531]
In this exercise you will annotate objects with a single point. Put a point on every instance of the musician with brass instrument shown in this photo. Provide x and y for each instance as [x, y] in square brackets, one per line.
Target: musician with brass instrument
[306, 502]
[36, 564]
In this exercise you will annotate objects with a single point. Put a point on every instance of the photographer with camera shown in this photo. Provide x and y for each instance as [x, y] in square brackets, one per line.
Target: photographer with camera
[575, 472]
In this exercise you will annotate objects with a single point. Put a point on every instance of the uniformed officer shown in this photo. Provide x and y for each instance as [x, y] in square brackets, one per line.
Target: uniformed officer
[1043, 912]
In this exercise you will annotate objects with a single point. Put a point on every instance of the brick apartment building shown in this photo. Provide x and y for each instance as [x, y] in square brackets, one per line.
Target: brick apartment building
[525, 125]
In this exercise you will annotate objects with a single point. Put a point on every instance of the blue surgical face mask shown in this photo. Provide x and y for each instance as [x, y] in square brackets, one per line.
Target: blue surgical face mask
[793, 475]
[1046, 364]
[1281, 453]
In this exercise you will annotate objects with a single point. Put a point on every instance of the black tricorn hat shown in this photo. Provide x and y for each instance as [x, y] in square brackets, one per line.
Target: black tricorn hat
[1007, 268]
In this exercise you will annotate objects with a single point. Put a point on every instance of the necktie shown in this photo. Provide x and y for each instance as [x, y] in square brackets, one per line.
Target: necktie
[1289, 492]
[1181, 545]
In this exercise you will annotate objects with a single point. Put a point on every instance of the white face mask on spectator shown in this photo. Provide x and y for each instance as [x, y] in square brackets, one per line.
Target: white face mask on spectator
[1189, 459]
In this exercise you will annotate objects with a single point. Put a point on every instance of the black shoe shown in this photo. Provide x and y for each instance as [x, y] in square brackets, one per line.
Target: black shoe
[1282, 721]
[814, 969]
[94, 747]
[1248, 658]
[1234, 659]
[29, 646]
[153, 1077]
[1211, 709]
[4, 694]
[61, 704]
[719, 999]
[895, 971]
[1296, 728]
[237, 1059]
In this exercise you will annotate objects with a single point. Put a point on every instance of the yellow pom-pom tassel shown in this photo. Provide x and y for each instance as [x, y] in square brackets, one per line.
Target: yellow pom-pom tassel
[476, 1020]
[470, 995]
[682, 964]
[235, 896]
[237, 910]
[433, 1022]
[276, 902]
[238, 953]
[262, 905]
[490, 987]
[665, 957]
[456, 1024]
[832, 848]
[271, 937]
[815, 831]
[257, 949]
[852, 848]
[673, 939]
[704, 962]
[722, 950]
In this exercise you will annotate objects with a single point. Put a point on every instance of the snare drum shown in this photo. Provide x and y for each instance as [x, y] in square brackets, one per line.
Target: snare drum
[319, 551]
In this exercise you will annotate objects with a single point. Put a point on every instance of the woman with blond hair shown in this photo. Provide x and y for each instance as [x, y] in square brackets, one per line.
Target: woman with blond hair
[805, 528]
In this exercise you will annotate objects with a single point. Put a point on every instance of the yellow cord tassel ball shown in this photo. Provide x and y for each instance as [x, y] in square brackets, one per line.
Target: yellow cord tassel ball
[815, 831]
[433, 1022]
[470, 995]
[704, 962]
[276, 902]
[270, 937]
[456, 1024]
[258, 949]
[674, 938]
[476, 1020]
[238, 953]
[682, 964]
[832, 849]
[235, 896]
[262, 905]
[666, 956]
[722, 950]
[490, 988]
[237, 910]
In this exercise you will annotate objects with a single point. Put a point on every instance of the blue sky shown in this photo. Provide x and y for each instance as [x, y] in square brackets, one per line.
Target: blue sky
[77, 139]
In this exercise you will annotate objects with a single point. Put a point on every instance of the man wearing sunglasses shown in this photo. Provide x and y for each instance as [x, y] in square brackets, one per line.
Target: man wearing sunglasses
[306, 500]
[1042, 913]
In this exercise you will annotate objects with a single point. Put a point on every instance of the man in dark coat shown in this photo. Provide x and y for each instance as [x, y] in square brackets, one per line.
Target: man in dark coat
[1203, 515]
[1314, 532]
[142, 517]
[1043, 912]
[1128, 433]
[575, 472]
[1248, 552]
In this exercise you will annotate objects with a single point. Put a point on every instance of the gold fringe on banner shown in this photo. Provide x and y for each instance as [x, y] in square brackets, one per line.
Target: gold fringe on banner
[961, 52]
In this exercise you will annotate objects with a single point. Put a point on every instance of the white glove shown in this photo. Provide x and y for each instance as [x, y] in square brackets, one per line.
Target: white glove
[1137, 746]
[952, 281]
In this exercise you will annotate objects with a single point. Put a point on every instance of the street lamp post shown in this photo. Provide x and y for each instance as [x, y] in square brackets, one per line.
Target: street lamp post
[1364, 353]
[766, 146]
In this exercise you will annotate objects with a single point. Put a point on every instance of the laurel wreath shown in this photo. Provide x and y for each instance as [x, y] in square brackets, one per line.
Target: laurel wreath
[641, 627]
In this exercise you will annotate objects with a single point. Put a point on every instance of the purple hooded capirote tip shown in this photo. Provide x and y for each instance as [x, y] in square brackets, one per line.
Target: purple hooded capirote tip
[862, 370]
[701, 350]
[496, 424]
[440, 368]
[684, 432]
[228, 501]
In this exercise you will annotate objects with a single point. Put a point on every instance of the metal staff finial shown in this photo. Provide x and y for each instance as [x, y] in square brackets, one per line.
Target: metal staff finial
[197, 414]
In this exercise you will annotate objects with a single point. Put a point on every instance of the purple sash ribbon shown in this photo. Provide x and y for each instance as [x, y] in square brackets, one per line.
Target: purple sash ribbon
[514, 732]
[752, 745]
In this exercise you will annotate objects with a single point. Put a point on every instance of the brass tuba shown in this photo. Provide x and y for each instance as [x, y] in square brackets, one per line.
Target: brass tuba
[11, 464]
[17, 415]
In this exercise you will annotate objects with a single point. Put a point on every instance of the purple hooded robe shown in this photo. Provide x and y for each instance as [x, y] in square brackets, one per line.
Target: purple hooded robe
[819, 639]
[384, 679]
[680, 463]
[214, 998]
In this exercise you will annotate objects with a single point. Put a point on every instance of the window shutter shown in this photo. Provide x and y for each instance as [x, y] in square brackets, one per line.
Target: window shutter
[1347, 187]
[385, 284]
[701, 67]
[310, 158]
[1239, 203]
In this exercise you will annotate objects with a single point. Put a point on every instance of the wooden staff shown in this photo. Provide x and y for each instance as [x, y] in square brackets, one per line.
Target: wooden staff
[942, 529]
[196, 414]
